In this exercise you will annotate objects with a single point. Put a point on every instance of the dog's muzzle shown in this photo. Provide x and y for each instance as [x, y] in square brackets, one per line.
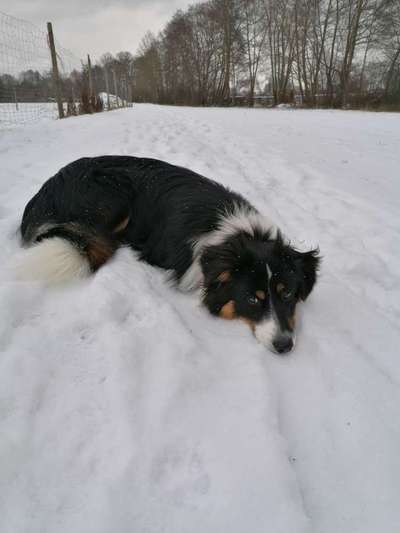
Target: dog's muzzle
[283, 344]
[269, 334]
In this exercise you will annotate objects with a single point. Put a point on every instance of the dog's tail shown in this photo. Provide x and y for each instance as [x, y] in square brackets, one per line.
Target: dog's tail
[58, 253]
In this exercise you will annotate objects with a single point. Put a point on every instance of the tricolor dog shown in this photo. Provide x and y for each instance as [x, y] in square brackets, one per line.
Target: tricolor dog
[207, 236]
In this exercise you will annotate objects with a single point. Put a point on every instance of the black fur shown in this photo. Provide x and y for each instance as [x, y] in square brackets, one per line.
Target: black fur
[161, 210]
[167, 205]
[245, 258]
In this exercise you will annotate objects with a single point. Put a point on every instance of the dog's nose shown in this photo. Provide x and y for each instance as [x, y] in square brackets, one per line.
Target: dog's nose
[283, 345]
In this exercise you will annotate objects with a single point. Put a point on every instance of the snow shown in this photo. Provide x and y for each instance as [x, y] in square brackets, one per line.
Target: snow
[125, 407]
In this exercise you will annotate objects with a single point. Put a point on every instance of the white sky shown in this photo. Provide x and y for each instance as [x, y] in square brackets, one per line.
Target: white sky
[96, 26]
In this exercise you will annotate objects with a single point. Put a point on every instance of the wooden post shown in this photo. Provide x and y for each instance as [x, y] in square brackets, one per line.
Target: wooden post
[115, 88]
[107, 88]
[74, 109]
[130, 95]
[126, 92]
[15, 98]
[90, 77]
[56, 77]
[122, 89]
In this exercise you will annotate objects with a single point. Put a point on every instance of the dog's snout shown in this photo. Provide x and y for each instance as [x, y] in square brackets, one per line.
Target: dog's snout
[283, 344]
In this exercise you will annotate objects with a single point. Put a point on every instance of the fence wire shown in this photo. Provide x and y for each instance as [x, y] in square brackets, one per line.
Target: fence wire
[26, 85]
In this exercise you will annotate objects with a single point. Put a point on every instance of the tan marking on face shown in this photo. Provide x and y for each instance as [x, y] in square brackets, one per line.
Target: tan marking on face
[250, 323]
[228, 310]
[291, 322]
[224, 276]
[121, 226]
[280, 287]
[260, 295]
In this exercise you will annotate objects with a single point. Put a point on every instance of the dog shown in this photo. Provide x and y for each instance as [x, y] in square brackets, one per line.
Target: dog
[207, 236]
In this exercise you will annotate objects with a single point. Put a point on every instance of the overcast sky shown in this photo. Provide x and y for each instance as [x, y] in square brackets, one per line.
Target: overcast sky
[96, 26]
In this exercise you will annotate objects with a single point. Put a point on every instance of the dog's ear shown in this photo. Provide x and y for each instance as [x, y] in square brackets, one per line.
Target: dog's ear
[216, 265]
[221, 262]
[309, 265]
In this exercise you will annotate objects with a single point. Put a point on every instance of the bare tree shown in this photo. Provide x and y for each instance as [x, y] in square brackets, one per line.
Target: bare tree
[228, 13]
[389, 28]
[254, 33]
[148, 81]
[281, 39]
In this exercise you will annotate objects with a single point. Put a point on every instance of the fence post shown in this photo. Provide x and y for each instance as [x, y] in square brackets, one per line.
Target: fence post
[56, 77]
[130, 94]
[125, 92]
[90, 76]
[115, 88]
[74, 107]
[122, 90]
[15, 99]
[107, 88]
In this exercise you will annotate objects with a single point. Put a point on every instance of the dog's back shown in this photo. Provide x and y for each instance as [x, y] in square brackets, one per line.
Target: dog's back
[81, 215]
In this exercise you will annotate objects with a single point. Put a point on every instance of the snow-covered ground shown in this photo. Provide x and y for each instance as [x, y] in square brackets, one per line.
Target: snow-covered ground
[126, 408]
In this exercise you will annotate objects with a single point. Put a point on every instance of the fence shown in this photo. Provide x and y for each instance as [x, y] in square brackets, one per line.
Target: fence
[29, 85]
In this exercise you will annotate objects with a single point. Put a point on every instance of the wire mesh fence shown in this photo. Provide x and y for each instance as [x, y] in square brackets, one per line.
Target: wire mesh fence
[28, 87]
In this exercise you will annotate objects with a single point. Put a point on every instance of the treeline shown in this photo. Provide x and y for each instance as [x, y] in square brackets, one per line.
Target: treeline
[336, 53]
[28, 86]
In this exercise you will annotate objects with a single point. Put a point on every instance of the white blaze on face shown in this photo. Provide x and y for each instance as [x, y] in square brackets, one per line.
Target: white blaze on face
[267, 330]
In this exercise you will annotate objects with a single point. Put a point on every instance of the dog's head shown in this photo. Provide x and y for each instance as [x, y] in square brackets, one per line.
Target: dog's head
[259, 280]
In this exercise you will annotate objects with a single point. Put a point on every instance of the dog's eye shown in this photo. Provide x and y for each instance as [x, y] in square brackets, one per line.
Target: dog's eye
[286, 295]
[253, 300]
[283, 292]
